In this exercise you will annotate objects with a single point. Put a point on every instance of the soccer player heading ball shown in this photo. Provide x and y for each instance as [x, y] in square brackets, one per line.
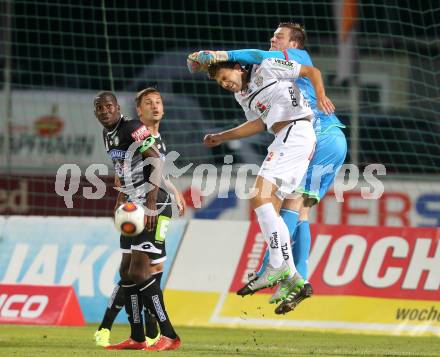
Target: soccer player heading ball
[270, 99]
[287, 42]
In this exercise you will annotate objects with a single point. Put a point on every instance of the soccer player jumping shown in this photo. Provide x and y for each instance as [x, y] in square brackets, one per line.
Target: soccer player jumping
[288, 42]
[270, 99]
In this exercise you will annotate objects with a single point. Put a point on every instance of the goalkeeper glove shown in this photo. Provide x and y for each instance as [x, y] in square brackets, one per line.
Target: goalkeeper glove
[200, 61]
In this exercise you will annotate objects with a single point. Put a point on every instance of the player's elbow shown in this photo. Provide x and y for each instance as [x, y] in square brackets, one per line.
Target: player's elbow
[314, 72]
[310, 72]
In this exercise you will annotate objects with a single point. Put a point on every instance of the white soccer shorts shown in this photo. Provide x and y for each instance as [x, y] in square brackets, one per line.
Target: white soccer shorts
[289, 156]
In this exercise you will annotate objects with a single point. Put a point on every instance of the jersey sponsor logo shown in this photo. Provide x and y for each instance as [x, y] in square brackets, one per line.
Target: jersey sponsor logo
[117, 154]
[284, 63]
[140, 134]
[293, 97]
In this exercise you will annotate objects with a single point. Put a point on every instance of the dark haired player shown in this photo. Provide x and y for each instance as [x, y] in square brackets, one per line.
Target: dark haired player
[129, 143]
[287, 42]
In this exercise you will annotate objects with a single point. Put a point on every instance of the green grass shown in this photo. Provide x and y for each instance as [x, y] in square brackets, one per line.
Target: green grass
[74, 341]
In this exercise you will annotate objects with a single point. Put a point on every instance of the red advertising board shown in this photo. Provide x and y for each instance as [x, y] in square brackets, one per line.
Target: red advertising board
[387, 262]
[39, 305]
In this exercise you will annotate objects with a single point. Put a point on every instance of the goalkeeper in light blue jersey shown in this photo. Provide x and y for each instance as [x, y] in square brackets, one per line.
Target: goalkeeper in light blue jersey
[287, 43]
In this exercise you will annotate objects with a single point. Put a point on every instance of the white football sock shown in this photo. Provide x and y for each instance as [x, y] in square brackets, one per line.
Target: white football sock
[286, 249]
[268, 219]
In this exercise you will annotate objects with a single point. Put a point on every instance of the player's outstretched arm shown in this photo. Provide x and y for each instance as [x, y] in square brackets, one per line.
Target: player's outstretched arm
[252, 56]
[199, 61]
[242, 131]
[322, 101]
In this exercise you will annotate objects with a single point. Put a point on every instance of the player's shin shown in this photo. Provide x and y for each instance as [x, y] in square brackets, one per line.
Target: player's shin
[152, 299]
[133, 307]
[268, 220]
[264, 263]
[151, 329]
[301, 247]
[277, 269]
[290, 218]
[115, 304]
[286, 249]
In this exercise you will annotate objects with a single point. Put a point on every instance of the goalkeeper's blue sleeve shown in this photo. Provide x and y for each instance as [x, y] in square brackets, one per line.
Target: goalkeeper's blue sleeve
[252, 56]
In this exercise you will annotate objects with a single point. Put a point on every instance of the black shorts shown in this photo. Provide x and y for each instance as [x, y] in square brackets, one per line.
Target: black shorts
[150, 242]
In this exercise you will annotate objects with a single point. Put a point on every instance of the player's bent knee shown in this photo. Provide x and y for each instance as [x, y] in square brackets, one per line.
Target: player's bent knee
[309, 201]
[258, 201]
[255, 202]
[293, 204]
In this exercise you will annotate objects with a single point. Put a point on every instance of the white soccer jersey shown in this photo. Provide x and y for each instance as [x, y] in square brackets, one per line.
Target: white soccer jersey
[272, 95]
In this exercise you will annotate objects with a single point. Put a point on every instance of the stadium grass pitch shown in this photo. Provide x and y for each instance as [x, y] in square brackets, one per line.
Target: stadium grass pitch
[77, 341]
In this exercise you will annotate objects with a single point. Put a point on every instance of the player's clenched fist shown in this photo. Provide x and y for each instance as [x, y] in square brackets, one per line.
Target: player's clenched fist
[200, 61]
[211, 140]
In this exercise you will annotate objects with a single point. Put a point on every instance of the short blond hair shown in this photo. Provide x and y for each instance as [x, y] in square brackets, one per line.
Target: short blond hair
[297, 32]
